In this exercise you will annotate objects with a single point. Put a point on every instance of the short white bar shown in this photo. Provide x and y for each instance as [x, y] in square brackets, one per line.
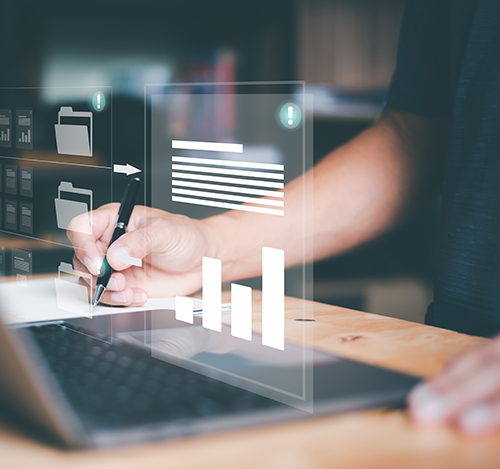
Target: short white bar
[208, 146]
[212, 293]
[273, 298]
[241, 311]
[184, 309]
[126, 259]
[236, 164]
[228, 206]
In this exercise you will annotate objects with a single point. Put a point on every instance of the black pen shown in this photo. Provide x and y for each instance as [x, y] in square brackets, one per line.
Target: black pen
[126, 207]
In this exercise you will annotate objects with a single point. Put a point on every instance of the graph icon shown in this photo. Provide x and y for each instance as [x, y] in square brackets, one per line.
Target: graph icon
[5, 128]
[273, 300]
[24, 119]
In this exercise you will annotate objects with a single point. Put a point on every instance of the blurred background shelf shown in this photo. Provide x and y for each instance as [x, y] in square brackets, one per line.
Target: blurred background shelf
[345, 50]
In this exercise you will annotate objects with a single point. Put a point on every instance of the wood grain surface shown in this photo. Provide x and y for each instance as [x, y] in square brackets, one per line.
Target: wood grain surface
[374, 439]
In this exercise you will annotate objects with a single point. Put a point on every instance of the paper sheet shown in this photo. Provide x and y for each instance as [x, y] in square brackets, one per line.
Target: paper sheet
[36, 300]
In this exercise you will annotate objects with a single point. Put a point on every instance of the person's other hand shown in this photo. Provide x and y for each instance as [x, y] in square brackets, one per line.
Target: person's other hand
[467, 393]
[170, 246]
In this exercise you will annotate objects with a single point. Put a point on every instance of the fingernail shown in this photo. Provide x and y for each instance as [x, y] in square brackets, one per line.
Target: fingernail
[121, 255]
[428, 407]
[119, 297]
[112, 284]
[140, 297]
[90, 265]
[476, 419]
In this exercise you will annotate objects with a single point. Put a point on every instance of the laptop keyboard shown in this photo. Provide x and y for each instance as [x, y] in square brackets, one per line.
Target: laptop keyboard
[116, 385]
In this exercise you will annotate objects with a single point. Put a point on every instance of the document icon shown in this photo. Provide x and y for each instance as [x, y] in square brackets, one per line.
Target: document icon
[74, 139]
[72, 206]
[69, 294]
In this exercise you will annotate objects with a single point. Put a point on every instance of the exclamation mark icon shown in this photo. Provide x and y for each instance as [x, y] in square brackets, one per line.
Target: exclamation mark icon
[99, 101]
[290, 115]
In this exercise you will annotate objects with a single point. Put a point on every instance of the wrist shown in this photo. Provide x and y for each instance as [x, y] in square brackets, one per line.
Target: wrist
[229, 240]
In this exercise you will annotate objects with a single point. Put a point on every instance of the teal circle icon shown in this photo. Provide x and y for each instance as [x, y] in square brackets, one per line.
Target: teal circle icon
[289, 115]
[99, 101]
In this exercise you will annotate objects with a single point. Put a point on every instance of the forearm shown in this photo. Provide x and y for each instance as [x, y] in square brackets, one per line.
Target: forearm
[360, 190]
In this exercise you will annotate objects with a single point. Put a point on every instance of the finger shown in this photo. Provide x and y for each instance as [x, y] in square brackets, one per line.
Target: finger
[427, 407]
[117, 282]
[79, 266]
[475, 387]
[85, 287]
[127, 297]
[468, 379]
[84, 282]
[481, 418]
[134, 246]
[89, 247]
[461, 366]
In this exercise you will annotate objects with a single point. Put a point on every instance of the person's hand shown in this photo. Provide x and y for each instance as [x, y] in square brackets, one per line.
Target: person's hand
[170, 246]
[466, 394]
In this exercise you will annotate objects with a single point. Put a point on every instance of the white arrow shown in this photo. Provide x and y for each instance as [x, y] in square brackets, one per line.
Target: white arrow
[125, 168]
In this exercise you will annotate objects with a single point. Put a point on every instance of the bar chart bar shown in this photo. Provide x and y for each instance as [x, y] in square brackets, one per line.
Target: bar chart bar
[184, 309]
[212, 293]
[241, 311]
[273, 298]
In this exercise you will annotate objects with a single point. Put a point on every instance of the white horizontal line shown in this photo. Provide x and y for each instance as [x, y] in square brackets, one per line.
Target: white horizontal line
[230, 172]
[208, 146]
[217, 187]
[245, 208]
[130, 260]
[235, 198]
[236, 164]
[244, 182]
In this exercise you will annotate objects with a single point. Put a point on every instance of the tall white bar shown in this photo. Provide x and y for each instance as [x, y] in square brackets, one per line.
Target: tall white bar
[184, 309]
[273, 298]
[212, 293]
[241, 311]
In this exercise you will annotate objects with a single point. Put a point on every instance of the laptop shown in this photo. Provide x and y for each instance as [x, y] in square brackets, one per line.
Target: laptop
[143, 376]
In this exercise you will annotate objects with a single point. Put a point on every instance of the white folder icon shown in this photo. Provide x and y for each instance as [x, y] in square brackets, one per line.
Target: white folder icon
[74, 139]
[69, 294]
[67, 209]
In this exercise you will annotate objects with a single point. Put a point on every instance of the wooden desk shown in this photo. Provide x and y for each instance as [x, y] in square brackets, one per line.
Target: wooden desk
[379, 439]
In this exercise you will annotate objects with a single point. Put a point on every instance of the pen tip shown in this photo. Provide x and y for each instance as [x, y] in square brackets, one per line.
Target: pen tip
[99, 290]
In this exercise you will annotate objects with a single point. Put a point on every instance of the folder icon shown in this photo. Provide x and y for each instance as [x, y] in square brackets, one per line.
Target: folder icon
[69, 295]
[67, 209]
[74, 139]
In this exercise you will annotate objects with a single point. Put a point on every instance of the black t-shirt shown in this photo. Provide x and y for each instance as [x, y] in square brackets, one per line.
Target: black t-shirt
[449, 66]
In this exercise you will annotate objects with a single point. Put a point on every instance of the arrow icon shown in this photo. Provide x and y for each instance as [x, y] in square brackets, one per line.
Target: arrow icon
[125, 169]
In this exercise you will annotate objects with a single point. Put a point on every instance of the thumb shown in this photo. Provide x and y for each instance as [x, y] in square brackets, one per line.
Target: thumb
[131, 248]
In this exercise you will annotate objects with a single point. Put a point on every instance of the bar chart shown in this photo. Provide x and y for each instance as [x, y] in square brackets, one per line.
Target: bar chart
[273, 301]
[5, 128]
[24, 118]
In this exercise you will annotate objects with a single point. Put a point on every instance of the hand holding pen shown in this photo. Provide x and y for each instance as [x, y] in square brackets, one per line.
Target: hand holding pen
[169, 246]
[126, 207]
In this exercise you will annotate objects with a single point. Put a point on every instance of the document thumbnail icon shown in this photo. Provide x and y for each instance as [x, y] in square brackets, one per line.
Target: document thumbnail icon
[69, 294]
[69, 205]
[74, 139]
